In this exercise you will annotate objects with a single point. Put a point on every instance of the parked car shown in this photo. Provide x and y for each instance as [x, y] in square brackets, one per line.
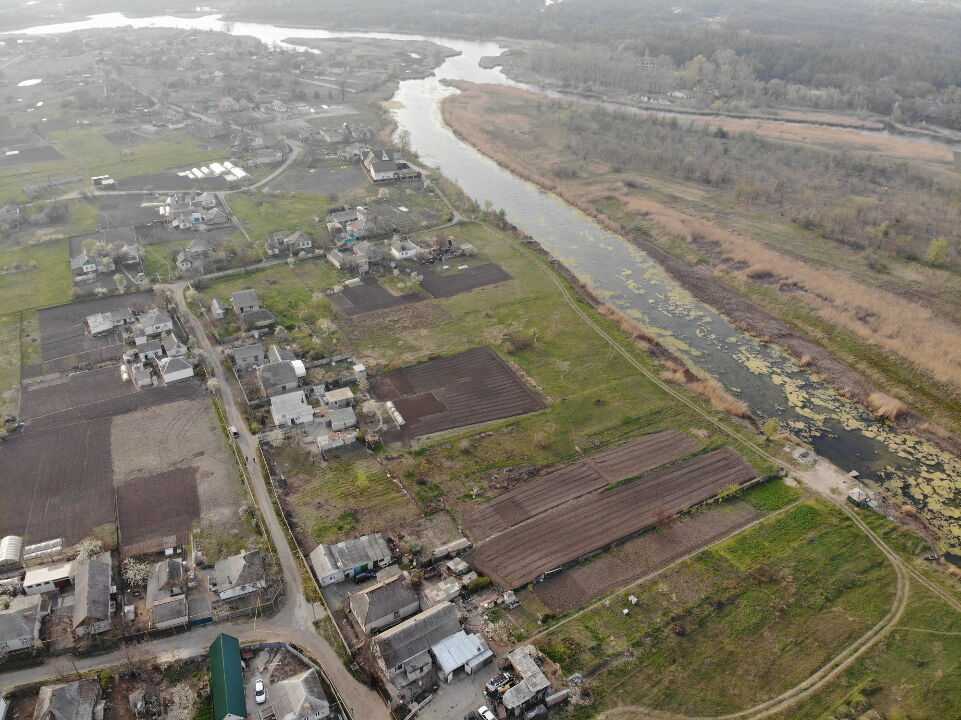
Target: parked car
[260, 692]
[364, 576]
[234, 433]
[486, 713]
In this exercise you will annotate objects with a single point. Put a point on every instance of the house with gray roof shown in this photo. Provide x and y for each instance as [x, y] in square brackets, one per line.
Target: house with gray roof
[78, 700]
[248, 357]
[20, 624]
[301, 697]
[239, 575]
[244, 301]
[336, 563]
[91, 599]
[260, 319]
[402, 653]
[278, 378]
[384, 604]
[291, 409]
[166, 598]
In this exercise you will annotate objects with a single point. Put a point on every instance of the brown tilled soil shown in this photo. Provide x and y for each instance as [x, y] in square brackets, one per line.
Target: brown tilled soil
[158, 506]
[468, 388]
[449, 285]
[642, 556]
[594, 522]
[566, 483]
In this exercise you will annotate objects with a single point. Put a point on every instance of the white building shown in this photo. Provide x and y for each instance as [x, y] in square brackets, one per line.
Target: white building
[339, 398]
[291, 409]
[174, 369]
[47, 578]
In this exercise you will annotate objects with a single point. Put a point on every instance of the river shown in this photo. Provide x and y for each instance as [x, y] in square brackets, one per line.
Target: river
[763, 375]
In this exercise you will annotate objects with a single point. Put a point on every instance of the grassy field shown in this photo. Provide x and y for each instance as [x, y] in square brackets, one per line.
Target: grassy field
[295, 294]
[159, 259]
[263, 214]
[595, 396]
[86, 152]
[9, 363]
[342, 498]
[47, 282]
[737, 624]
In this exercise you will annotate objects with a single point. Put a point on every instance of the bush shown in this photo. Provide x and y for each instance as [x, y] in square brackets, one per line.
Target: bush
[479, 583]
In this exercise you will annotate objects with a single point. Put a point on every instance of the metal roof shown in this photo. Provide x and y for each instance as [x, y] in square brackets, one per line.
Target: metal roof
[226, 678]
[457, 650]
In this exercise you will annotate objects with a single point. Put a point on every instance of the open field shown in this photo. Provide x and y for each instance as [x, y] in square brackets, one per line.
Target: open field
[262, 214]
[346, 497]
[67, 392]
[448, 284]
[187, 469]
[44, 279]
[473, 387]
[9, 364]
[734, 625]
[57, 473]
[370, 296]
[561, 485]
[560, 536]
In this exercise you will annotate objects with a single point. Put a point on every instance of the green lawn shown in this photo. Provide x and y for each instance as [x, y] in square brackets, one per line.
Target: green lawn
[47, 283]
[735, 625]
[9, 363]
[263, 214]
[342, 498]
[159, 259]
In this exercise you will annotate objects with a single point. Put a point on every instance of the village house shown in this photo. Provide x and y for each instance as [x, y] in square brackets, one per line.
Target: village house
[239, 575]
[77, 700]
[291, 243]
[175, 369]
[383, 166]
[258, 320]
[20, 624]
[339, 419]
[166, 598]
[339, 398]
[300, 697]
[92, 580]
[384, 604]
[532, 684]
[402, 654]
[401, 249]
[227, 679]
[279, 378]
[291, 409]
[248, 357]
[102, 323]
[244, 301]
[336, 563]
[47, 578]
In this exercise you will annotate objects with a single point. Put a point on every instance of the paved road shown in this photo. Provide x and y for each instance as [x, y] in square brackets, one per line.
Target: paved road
[294, 622]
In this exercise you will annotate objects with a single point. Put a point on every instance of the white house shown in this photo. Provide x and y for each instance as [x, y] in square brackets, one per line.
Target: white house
[156, 322]
[339, 398]
[336, 563]
[403, 250]
[239, 575]
[47, 578]
[291, 409]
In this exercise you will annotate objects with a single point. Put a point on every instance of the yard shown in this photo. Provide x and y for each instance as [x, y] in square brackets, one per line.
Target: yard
[340, 499]
[35, 276]
[262, 214]
[737, 624]
[9, 364]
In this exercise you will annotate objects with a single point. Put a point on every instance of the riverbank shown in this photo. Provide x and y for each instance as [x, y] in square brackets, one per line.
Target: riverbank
[461, 114]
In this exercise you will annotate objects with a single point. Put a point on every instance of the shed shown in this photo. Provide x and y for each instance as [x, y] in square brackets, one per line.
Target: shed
[341, 418]
[458, 651]
[244, 301]
[339, 398]
[47, 578]
[227, 679]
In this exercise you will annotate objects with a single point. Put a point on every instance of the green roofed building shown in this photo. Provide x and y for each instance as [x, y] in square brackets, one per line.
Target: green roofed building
[227, 679]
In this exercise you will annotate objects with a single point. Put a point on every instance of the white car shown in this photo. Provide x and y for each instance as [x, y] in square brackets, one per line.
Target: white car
[260, 692]
[485, 713]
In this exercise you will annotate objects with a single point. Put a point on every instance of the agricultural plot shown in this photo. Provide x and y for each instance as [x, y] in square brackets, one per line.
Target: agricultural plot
[36, 276]
[370, 296]
[469, 388]
[67, 392]
[562, 535]
[567, 483]
[153, 509]
[444, 285]
[57, 473]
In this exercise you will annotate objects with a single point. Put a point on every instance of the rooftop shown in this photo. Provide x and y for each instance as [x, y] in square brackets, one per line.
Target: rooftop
[299, 697]
[69, 701]
[418, 634]
[240, 569]
[91, 602]
[383, 599]
[455, 651]
[245, 298]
